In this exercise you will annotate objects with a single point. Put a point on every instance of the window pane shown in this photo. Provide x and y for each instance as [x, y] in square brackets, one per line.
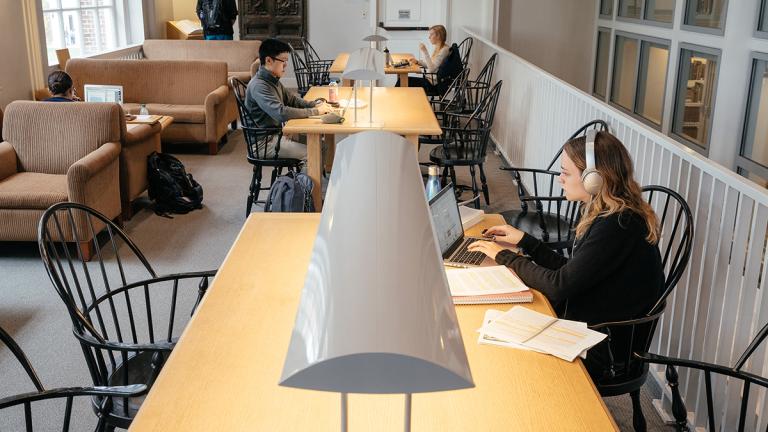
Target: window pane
[630, 8]
[50, 4]
[653, 75]
[606, 7]
[660, 10]
[756, 139]
[763, 24]
[624, 72]
[87, 3]
[91, 43]
[705, 13]
[754, 177]
[70, 3]
[53, 35]
[107, 29]
[601, 64]
[693, 108]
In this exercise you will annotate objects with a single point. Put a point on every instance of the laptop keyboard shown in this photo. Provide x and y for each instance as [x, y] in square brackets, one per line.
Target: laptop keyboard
[464, 256]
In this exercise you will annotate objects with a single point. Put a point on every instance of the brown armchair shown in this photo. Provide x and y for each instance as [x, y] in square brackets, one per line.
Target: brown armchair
[54, 152]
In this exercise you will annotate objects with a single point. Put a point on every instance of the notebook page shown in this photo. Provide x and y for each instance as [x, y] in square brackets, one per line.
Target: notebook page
[483, 280]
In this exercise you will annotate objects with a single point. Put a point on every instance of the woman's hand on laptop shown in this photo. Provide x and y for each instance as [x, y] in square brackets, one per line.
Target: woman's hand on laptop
[504, 233]
[490, 248]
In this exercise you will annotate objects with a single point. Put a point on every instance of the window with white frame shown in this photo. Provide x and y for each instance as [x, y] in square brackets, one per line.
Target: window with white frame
[85, 27]
[753, 157]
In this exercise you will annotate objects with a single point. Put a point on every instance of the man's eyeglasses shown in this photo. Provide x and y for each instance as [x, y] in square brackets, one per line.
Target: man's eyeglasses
[279, 59]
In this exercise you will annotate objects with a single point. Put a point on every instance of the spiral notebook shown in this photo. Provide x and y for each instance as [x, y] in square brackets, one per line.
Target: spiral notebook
[487, 285]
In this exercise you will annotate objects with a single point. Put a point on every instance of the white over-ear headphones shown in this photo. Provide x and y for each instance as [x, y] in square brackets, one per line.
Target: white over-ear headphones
[591, 178]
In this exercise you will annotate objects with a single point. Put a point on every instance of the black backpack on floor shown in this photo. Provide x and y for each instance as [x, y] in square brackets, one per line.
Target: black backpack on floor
[172, 189]
[291, 193]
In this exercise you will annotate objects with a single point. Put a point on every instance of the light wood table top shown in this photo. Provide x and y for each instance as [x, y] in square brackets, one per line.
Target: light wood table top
[223, 374]
[404, 111]
[340, 63]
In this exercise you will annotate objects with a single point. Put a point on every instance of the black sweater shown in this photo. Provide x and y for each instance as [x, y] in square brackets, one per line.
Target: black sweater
[613, 274]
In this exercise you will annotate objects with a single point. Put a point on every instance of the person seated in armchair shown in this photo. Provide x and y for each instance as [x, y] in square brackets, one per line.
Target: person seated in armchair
[61, 88]
[270, 104]
[431, 62]
[615, 270]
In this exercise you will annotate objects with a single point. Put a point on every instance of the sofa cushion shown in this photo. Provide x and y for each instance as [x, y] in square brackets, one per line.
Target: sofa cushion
[28, 190]
[180, 113]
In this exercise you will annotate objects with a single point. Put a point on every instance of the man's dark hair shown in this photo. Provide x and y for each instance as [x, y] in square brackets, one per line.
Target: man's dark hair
[59, 82]
[272, 48]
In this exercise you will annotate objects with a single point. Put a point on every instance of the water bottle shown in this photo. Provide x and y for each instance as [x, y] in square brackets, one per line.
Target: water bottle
[387, 57]
[333, 92]
[433, 182]
[143, 110]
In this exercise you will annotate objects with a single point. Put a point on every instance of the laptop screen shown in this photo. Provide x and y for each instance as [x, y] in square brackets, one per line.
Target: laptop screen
[103, 93]
[446, 219]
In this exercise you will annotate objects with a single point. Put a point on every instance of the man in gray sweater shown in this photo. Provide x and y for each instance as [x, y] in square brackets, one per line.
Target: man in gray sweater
[271, 105]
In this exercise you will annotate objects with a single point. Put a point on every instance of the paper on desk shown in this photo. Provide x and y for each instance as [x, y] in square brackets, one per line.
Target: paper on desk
[477, 281]
[561, 338]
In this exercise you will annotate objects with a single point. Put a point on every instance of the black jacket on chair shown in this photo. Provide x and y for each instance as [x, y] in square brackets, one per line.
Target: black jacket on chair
[217, 16]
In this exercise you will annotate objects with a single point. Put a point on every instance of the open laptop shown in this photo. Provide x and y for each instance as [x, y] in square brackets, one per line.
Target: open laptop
[450, 233]
[103, 93]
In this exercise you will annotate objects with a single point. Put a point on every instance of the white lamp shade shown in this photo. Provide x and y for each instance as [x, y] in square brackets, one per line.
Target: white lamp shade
[365, 64]
[376, 315]
[375, 38]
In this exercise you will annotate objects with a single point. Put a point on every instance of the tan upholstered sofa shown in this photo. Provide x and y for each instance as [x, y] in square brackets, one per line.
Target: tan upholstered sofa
[241, 56]
[194, 93]
[55, 152]
[138, 142]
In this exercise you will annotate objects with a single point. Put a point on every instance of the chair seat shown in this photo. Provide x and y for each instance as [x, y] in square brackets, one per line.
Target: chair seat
[140, 371]
[455, 156]
[180, 113]
[530, 223]
[29, 190]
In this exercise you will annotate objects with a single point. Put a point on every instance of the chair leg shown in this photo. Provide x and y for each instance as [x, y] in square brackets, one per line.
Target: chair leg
[678, 406]
[253, 193]
[638, 421]
[444, 179]
[475, 191]
[484, 183]
[453, 178]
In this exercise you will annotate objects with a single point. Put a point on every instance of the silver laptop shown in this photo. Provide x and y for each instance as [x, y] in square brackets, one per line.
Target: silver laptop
[450, 233]
[103, 93]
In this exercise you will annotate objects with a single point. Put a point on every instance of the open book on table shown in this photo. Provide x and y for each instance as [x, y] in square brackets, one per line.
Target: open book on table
[486, 285]
[523, 328]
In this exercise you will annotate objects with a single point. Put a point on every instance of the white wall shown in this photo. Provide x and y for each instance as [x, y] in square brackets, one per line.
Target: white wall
[556, 35]
[338, 25]
[14, 70]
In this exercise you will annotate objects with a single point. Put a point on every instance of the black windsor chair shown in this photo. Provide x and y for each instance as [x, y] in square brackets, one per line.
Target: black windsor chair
[465, 141]
[99, 395]
[554, 217]
[628, 341]
[305, 78]
[317, 66]
[257, 142]
[453, 101]
[736, 376]
[123, 314]
[478, 88]
[465, 47]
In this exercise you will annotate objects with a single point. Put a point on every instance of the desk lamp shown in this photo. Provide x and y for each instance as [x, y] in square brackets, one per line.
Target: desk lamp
[375, 314]
[378, 35]
[365, 64]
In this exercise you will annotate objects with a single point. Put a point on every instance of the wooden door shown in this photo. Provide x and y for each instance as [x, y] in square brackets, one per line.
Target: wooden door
[284, 19]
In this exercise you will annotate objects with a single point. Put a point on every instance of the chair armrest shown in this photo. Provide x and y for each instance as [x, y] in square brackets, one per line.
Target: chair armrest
[7, 160]
[219, 95]
[91, 164]
[140, 133]
[255, 67]
[216, 113]
[116, 391]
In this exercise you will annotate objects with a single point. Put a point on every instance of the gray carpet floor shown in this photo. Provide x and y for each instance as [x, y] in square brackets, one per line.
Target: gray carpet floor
[32, 313]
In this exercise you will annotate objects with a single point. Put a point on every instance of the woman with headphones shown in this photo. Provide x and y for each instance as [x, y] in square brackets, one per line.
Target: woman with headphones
[615, 270]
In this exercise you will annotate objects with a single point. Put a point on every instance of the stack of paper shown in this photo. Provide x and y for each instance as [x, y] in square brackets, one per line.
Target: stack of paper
[523, 328]
[492, 284]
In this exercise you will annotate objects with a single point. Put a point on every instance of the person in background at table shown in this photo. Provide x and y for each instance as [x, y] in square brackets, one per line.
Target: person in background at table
[431, 62]
[218, 18]
[615, 270]
[270, 104]
[61, 88]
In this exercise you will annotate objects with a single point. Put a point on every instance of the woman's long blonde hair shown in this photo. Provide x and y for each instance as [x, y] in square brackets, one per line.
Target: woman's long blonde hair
[620, 191]
[441, 33]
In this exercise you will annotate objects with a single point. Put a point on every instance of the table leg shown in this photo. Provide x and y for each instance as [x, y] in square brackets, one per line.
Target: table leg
[315, 167]
[330, 151]
[413, 139]
[403, 79]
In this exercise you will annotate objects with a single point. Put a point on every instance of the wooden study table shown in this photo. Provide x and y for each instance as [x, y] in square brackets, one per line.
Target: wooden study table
[404, 111]
[223, 374]
[340, 63]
